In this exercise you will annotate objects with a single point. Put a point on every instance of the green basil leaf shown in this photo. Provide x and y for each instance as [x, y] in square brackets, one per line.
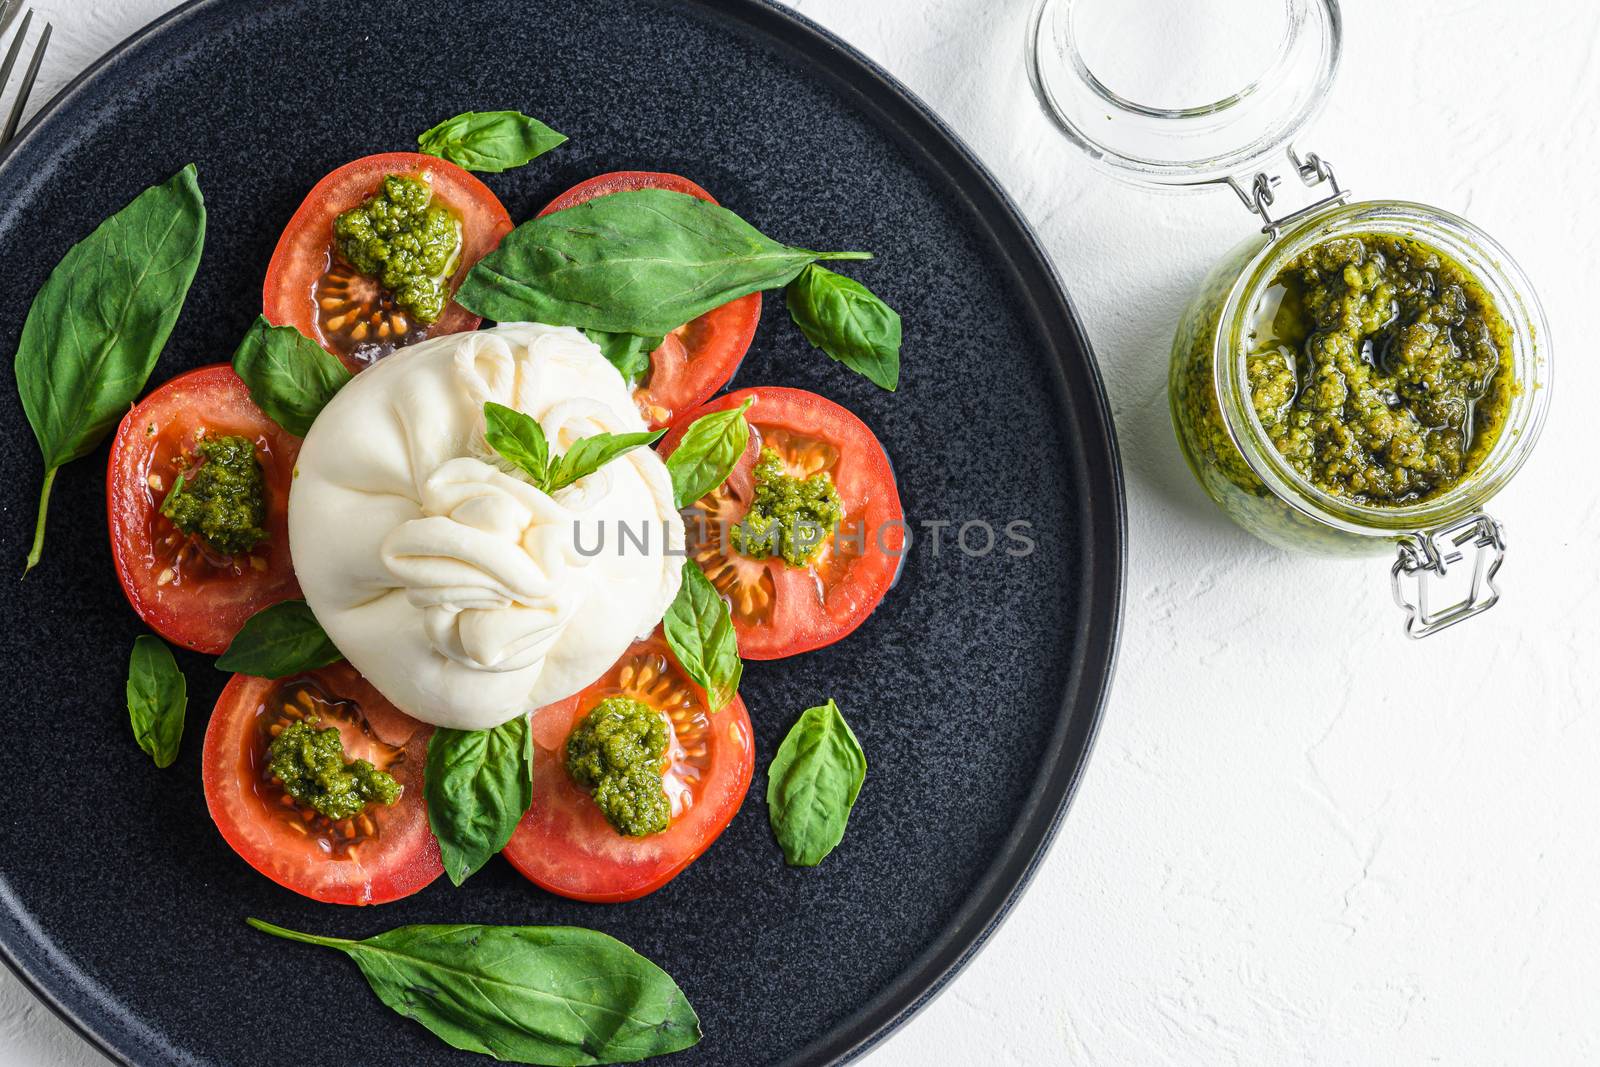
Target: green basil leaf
[643, 261]
[279, 641]
[518, 438]
[554, 995]
[102, 317]
[589, 454]
[479, 784]
[707, 453]
[699, 627]
[490, 141]
[158, 697]
[628, 352]
[290, 376]
[847, 321]
[812, 785]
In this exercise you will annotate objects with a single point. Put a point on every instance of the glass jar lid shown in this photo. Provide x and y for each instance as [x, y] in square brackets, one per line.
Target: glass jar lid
[1183, 92]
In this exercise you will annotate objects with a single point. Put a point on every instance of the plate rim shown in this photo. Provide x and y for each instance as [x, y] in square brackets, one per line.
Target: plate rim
[894, 106]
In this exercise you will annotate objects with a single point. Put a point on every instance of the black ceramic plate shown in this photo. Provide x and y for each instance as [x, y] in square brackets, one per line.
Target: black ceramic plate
[975, 689]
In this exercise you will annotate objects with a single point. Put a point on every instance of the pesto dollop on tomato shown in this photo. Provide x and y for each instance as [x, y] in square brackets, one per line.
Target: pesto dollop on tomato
[1384, 374]
[789, 517]
[310, 764]
[407, 242]
[616, 752]
[223, 498]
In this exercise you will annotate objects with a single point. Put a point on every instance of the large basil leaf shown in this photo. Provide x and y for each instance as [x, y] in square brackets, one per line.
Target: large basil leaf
[490, 141]
[589, 454]
[699, 628]
[628, 352]
[643, 261]
[847, 321]
[279, 641]
[555, 995]
[289, 375]
[812, 785]
[158, 697]
[479, 784]
[707, 453]
[103, 316]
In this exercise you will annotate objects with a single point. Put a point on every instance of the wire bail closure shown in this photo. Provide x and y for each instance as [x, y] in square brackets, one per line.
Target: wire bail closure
[1427, 556]
[1259, 196]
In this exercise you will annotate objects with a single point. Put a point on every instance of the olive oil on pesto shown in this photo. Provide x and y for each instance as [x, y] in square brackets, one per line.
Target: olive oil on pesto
[410, 244]
[1379, 369]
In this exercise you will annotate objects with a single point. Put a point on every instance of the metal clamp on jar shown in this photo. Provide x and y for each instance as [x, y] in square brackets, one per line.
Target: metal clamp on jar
[1311, 439]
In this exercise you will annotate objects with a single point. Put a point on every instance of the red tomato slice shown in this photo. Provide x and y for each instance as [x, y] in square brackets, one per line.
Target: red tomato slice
[565, 844]
[383, 854]
[180, 587]
[312, 289]
[699, 357]
[780, 610]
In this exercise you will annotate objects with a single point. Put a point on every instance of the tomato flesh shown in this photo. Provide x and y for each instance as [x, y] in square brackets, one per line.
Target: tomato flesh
[699, 357]
[179, 585]
[565, 844]
[780, 610]
[310, 287]
[382, 854]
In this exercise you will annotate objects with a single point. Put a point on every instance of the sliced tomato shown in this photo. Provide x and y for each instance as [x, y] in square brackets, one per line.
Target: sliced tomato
[565, 844]
[699, 357]
[178, 584]
[778, 609]
[385, 853]
[311, 288]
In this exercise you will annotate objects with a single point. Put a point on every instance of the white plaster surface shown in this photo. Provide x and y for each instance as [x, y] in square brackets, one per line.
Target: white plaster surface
[1303, 839]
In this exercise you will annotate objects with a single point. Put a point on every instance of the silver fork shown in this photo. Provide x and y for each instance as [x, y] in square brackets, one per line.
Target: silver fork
[8, 14]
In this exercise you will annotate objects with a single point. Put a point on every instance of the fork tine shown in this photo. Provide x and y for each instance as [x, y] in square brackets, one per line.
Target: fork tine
[8, 12]
[27, 84]
[13, 52]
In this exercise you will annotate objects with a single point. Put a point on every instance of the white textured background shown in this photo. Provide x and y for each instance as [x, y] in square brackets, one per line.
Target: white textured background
[1302, 838]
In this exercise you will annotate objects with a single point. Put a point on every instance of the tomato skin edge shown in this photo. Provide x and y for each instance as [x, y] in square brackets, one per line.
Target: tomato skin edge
[881, 567]
[168, 624]
[416, 872]
[278, 302]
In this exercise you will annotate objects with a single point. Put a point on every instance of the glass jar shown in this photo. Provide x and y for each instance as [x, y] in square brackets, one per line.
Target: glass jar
[1224, 121]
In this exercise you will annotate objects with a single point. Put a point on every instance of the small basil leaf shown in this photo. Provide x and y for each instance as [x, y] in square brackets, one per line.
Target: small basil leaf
[290, 376]
[158, 697]
[812, 785]
[707, 453]
[279, 641]
[490, 141]
[479, 784]
[699, 628]
[518, 438]
[589, 454]
[102, 317]
[628, 352]
[847, 321]
[556, 995]
[642, 261]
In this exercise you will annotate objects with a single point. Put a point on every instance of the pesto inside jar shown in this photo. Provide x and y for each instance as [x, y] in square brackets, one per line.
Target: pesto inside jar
[1380, 369]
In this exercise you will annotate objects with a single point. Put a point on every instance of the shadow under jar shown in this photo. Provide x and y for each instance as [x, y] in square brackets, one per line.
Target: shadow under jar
[1369, 404]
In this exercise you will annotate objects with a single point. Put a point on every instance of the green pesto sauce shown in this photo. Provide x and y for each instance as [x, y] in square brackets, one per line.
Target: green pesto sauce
[223, 499]
[1384, 373]
[789, 516]
[404, 240]
[310, 765]
[616, 752]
